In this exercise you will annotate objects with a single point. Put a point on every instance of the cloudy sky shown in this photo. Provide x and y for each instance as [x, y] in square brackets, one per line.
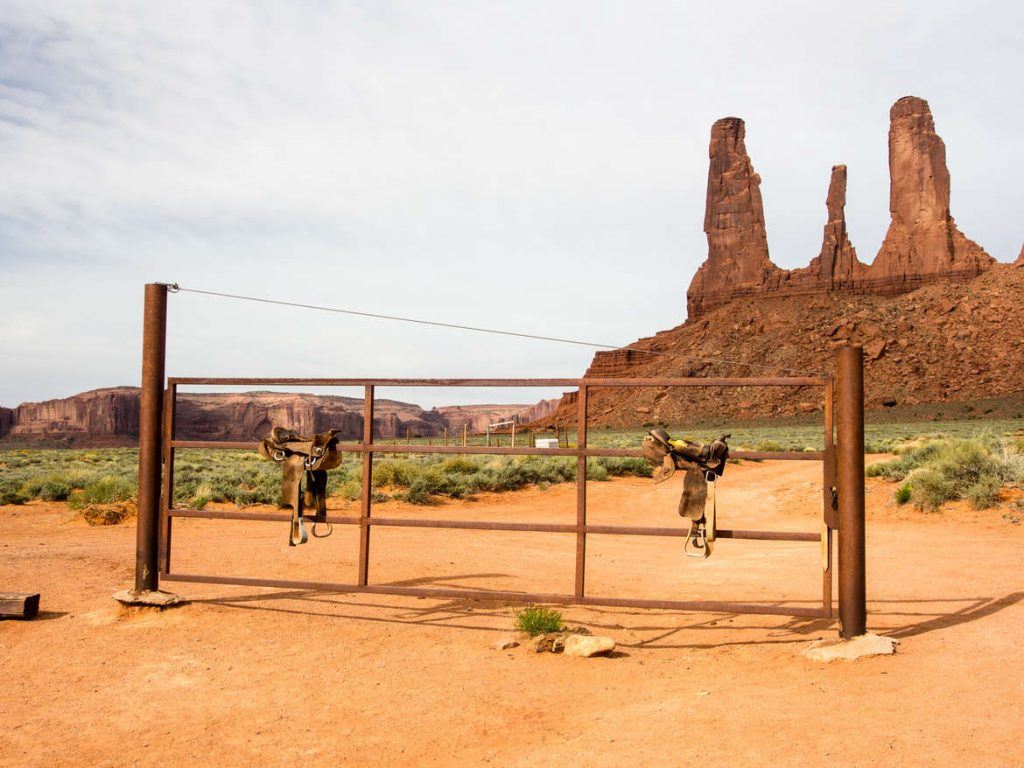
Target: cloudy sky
[533, 166]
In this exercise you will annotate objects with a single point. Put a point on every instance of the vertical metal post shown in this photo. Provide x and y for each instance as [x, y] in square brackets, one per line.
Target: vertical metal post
[367, 488]
[581, 494]
[828, 482]
[167, 496]
[154, 342]
[850, 483]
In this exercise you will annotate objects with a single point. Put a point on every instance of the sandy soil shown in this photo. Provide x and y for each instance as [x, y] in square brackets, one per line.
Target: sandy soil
[245, 676]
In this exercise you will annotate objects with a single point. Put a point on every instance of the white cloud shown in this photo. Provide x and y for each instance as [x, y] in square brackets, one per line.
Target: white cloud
[533, 165]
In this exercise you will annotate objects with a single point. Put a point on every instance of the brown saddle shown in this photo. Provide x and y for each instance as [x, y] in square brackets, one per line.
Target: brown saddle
[703, 465]
[301, 458]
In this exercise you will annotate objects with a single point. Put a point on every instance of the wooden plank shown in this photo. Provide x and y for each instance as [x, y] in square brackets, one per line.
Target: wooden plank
[19, 605]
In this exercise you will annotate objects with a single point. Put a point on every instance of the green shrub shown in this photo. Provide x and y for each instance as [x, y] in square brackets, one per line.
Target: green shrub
[903, 494]
[985, 493]
[202, 496]
[535, 620]
[394, 473]
[418, 494]
[55, 489]
[10, 493]
[460, 465]
[104, 490]
[351, 490]
[930, 489]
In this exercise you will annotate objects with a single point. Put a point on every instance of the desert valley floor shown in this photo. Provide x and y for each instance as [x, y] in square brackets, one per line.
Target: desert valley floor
[244, 676]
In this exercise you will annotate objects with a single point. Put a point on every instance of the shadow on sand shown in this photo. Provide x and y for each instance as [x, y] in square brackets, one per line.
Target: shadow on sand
[894, 618]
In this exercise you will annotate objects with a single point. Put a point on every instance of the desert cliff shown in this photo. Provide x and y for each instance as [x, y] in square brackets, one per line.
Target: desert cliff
[111, 417]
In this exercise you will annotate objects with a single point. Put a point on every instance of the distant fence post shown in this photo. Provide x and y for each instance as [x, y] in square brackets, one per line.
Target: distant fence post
[849, 419]
[154, 345]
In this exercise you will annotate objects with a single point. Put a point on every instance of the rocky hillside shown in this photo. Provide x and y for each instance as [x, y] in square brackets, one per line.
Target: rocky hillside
[111, 417]
[939, 319]
[961, 341]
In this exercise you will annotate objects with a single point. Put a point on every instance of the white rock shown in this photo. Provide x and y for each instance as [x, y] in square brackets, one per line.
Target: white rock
[852, 649]
[587, 645]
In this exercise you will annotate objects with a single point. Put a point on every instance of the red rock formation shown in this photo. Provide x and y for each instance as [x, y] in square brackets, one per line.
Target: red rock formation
[923, 243]
[477, 417]
[1020, 259]
[737, 262]
[110, 417]
[836, 266]
[107, 412]
[932, 345]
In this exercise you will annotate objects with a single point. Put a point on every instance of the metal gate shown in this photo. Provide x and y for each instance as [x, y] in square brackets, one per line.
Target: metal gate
[842, 486]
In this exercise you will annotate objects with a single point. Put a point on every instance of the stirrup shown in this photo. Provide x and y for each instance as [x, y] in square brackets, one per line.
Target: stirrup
[697, 543]
[298, 533]
[330, 529]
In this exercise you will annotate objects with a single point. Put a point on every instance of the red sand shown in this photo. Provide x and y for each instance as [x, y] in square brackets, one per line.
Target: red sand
[245, 676]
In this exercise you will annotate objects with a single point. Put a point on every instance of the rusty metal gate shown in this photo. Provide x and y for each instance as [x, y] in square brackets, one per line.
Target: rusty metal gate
[842, 487]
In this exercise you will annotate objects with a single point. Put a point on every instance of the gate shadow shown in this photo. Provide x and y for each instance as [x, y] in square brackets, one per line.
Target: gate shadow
[664, 625]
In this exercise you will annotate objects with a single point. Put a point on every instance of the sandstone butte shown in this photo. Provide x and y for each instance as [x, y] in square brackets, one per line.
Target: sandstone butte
[922, 245]
[936, 314]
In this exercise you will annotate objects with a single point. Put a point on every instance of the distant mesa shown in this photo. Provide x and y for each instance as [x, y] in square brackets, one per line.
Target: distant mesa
[922, 245]
[108, 417]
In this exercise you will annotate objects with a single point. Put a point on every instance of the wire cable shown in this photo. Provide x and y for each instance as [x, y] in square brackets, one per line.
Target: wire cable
[175, 288]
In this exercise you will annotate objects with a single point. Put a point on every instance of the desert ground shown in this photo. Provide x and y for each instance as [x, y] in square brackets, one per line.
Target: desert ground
[245, 676]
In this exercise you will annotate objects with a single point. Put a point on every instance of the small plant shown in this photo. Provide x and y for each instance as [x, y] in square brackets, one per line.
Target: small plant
[535, 620]
[11, 494]
[984, 494]
[931, 489]
[202, 496]
[903, 494]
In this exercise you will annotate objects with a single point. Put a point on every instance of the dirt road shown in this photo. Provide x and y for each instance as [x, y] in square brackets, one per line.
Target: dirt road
[246, 676]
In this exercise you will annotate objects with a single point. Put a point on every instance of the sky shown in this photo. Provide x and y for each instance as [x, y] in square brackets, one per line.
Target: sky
[539, 167]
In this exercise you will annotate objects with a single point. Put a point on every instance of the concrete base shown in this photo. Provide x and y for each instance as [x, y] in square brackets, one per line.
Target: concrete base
[852, 649]
[157, 599]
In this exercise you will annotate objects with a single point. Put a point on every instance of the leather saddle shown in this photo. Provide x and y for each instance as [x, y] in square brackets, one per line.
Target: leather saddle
[303, 458]
[703, 464]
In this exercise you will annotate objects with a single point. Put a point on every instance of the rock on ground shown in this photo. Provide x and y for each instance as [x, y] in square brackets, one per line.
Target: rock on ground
[852, 649]
[587, 645]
